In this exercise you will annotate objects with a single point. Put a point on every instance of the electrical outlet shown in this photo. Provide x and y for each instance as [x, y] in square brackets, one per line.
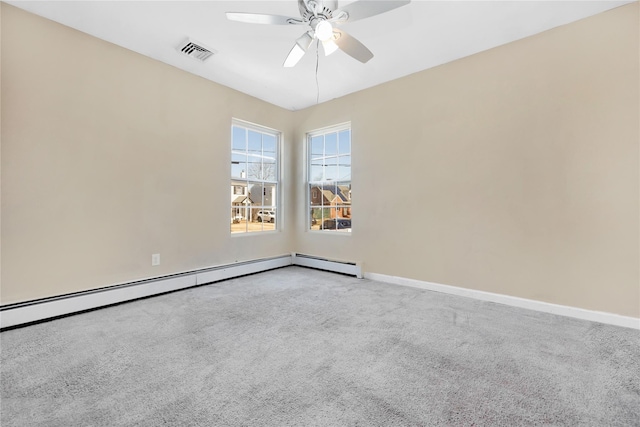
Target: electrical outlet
[155, 259]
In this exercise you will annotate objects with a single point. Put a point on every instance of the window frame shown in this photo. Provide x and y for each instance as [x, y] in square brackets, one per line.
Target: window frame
[307, 174]
[277, 182]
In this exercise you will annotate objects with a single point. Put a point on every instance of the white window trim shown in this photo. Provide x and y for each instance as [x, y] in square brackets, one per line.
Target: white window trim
[279, 196]
[308, 136]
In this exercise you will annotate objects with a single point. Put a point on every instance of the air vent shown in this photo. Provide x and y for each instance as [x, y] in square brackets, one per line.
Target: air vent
[195, 50]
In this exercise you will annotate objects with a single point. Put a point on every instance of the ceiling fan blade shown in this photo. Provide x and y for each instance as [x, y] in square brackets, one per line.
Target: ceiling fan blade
[351, 46]
[260, 18]
[298, 50]
[365, 8]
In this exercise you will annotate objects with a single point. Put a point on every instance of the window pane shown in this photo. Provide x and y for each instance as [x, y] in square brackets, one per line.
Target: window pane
[331, 187]
[269, 145]
[254, 168]
[343, 222]
[238, 222]
[239, 139]
[269, 170]
[238, 165]
[344, 142]
[331, 169]
[315, 195]
[343, 212]
[267, 216]
[240, 194]
[317, 146]
[269, 196]
[240, 206]
[254, 225]
[315, 173]
[255, 142]
[331, 144]
[318, 216]
[344, 168]
[343, 193]
[256, 191]
[252, 222]
[329, 194]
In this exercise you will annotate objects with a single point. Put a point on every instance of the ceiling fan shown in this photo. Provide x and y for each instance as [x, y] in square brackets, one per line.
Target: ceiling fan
[323, 16]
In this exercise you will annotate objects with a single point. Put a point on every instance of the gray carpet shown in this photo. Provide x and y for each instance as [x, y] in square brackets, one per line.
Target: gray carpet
[299, 347]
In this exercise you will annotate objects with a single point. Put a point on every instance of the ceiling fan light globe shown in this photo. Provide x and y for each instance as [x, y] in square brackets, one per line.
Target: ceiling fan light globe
[294, 56]
[329, 47]
[298, 50]
[324, 31]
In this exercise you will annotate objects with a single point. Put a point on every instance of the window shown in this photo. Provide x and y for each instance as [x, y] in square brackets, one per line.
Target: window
[254, 178]
[329, 179]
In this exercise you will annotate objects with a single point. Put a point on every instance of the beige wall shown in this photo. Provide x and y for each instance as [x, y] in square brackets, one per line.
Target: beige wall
[109, 157]
[513, 171]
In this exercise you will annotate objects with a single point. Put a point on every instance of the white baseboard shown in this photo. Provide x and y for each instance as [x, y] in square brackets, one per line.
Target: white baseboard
[562, 310]
[352, 269]
[12, 315]
[235, 270]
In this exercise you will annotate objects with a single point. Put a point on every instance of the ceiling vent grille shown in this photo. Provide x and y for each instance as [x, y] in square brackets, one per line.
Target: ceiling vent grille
[195, 50]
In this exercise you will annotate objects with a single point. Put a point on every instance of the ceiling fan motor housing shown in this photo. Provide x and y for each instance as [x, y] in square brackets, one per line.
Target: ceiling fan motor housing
[312, 9]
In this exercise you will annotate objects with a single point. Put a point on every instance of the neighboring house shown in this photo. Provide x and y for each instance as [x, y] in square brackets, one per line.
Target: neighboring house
[337, 199]
[264, 196]
[344, 191]
[247, 201]
[240, 201]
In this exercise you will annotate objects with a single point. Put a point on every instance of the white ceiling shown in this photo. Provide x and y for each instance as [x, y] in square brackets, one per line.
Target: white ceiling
[249, 57]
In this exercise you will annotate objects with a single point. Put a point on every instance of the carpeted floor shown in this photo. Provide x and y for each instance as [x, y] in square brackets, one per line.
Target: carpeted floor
[299, 347]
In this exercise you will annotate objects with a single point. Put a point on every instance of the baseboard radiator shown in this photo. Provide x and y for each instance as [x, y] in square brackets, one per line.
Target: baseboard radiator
[24, 313]
[344, 267]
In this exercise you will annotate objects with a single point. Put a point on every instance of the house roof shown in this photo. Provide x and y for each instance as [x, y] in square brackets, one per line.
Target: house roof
[343, 192]
[242, 199]
[328, 195]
